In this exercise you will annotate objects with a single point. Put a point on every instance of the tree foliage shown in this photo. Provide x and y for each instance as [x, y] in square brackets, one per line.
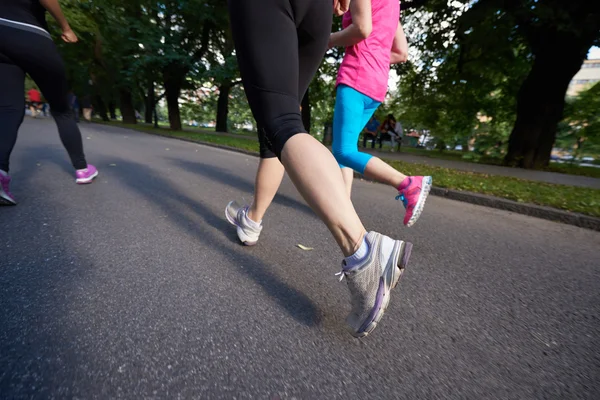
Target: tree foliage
[485, 72]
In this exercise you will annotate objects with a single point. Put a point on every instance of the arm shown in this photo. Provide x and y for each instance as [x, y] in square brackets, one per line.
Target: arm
[399, 47]
[359, 29]
[340, 7]
[54, 9]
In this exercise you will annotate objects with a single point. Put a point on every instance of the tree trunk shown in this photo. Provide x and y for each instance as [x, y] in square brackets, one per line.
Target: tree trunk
[149, 106]
[155, 118]
[173, 108]
[101, 108]
[540, 104]
[223, 107]
[306, 111]
[127, 110]
[173, 76]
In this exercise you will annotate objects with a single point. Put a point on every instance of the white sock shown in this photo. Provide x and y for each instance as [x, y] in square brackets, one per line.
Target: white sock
[252, 223]
[360, 254]
[387, 247]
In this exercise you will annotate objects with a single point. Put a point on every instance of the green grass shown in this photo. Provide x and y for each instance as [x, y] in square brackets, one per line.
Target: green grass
[238, 143]
[570, 198]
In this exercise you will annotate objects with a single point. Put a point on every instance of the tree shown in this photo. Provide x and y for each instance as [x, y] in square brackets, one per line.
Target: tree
[581, 126]
[529, 49]
[223, 70]
[186, 26]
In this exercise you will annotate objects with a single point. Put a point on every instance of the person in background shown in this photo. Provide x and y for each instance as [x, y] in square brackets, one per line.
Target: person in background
[26, 47]
[86, 106]
[35, 100]
[45, 107]
[399, 131]
[370, 132]
[388, 127]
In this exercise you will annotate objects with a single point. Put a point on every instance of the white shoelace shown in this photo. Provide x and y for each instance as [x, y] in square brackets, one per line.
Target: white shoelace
[341, 275]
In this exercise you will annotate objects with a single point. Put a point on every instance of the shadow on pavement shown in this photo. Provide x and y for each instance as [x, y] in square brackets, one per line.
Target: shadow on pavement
[222, 175]
[39, 270]
[174, 203]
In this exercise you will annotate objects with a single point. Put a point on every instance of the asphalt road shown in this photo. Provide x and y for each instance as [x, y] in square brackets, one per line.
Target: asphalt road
[135, 287]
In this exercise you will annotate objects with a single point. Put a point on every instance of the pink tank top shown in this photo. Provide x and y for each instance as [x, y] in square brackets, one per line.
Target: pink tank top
[366, 65]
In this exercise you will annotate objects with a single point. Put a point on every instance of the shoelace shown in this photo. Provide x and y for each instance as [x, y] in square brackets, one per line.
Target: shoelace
[403, 199]
[341, 275]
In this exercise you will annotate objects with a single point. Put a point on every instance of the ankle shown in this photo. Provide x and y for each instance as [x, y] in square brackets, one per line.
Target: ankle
[404, 184]
[253, 215]
[359, 254]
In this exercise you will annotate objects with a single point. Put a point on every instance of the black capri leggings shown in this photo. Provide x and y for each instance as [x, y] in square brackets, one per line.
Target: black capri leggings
[24, 52]
[279, 46]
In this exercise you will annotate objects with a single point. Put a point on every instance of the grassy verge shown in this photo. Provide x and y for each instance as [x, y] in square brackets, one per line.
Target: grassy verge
[453, 155]
[569, 198]
[576, 199]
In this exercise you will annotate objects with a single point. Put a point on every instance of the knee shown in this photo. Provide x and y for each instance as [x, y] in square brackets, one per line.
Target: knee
[280, 129]
[344, 156]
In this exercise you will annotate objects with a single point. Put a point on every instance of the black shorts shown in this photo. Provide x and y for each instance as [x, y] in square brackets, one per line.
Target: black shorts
[279, 46]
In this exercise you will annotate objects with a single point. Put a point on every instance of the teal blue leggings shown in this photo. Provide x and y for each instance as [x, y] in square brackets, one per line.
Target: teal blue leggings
[352, 112]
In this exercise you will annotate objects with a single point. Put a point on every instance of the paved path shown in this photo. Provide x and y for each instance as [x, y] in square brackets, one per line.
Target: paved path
[135, 287]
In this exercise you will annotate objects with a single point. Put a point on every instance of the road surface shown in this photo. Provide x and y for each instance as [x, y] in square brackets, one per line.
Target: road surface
[135, 287]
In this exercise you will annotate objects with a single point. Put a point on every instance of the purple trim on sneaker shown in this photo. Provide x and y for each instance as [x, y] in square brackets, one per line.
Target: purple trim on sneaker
[406, 254]
[376, 307]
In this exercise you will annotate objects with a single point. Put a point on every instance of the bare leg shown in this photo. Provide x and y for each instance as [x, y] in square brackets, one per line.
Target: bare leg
[380, 171]
[318, 178]
[348, 175]
[268, 179]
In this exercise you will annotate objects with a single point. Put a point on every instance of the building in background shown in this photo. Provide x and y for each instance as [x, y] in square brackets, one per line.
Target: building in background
[586, 77]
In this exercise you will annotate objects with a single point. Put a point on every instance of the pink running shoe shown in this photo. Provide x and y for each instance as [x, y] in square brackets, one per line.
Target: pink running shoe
[6, 198]
[87, 175]
[413, 197]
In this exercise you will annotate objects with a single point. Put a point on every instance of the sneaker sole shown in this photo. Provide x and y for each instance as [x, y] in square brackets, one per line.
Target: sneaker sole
[86, 180]
[233, 222]
[421, 201]
[383, 294]
[5, 201]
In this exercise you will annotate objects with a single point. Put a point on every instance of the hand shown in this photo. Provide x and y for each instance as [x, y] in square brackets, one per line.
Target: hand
[340, 7]
[69, 36]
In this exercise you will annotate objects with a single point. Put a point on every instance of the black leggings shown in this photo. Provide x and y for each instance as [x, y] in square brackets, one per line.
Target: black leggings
[24, 52]
[279, 46]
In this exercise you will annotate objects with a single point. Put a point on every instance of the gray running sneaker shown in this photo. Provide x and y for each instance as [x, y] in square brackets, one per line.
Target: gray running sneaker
[371, 282]
[236, 215]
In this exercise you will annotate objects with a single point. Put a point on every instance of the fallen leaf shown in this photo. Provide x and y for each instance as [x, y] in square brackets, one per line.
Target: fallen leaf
[112, 165]
[167, 148]
[304, 247]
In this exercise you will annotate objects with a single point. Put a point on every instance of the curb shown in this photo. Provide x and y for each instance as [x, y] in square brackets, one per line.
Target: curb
[532, 210]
